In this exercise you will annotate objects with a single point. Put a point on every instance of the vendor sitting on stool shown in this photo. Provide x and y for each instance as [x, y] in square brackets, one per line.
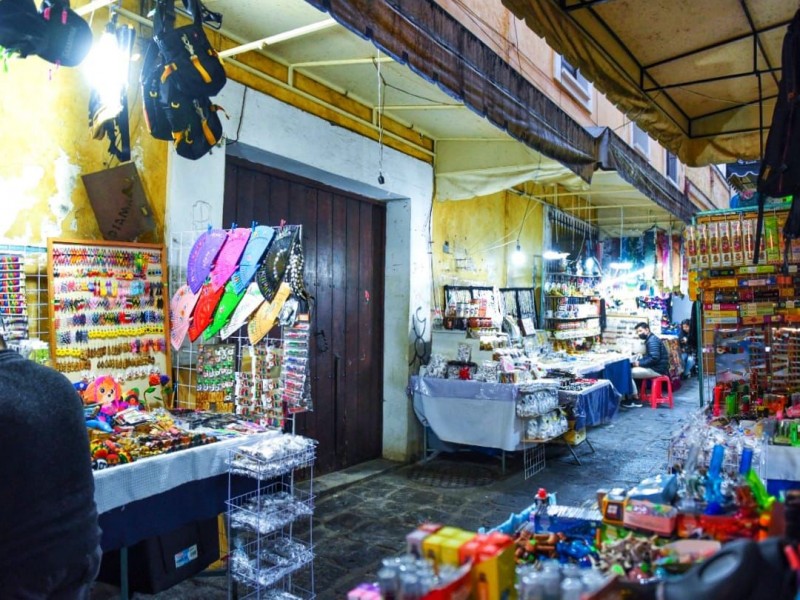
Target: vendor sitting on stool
[654, 363]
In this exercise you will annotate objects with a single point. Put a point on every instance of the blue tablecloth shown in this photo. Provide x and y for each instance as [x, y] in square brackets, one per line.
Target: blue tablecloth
[595, 405]
[619, 374]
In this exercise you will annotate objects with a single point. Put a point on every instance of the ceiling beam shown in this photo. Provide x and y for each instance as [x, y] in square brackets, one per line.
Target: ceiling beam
[420, 107]
[586, 4]
[93, 6]
[278, 38]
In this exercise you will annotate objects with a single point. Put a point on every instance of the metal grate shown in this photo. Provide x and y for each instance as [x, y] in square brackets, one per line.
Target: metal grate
[445, 474]
[533, 456]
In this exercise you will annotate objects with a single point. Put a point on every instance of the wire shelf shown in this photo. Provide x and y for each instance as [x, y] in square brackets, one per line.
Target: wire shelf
[265, 562]
[33, 308]
[243, 462]
[290, 592]
[271, 508]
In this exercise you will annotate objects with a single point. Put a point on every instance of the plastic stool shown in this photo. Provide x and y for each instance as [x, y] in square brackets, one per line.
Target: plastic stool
[655, 396]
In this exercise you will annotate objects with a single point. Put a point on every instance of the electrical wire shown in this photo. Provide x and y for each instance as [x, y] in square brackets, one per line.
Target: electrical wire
[381, 104]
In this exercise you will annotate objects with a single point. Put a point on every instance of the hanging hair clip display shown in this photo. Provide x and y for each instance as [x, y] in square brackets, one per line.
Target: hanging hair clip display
[13, 304]
[107, 315]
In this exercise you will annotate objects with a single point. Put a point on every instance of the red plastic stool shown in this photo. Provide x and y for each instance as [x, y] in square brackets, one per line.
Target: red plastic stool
[655, 396]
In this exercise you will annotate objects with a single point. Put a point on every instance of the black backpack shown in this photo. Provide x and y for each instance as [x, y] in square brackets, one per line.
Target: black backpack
[780, 168]
[194, 122]
[68, 36]
[22, 30]
[189, 60]
[153, 104]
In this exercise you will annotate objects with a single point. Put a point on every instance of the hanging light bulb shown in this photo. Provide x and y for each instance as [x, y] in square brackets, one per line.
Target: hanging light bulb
[518, 258]
[107, 68]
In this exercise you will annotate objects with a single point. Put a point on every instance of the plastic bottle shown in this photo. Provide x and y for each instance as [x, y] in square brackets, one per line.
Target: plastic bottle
[571, 588]
[550, 578]
[592, 580]
[387, 582]
[531, 587]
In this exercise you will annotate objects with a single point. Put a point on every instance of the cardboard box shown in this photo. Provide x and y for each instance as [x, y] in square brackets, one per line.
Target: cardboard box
[650, 516]
[494, 575]
[158, 563]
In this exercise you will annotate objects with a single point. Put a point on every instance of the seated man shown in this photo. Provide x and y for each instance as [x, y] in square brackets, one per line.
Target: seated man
[655, 361]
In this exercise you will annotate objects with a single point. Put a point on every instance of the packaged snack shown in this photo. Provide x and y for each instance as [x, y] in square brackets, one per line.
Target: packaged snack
[702, 246]
[715, 258]
[748, 238]
[737, 243]
[690, 239]
[726, 257]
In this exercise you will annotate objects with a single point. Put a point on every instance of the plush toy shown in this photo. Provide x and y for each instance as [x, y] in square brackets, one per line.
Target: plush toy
[106, 392]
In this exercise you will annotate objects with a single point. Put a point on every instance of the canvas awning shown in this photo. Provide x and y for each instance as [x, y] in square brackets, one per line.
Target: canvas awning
[433, 44]
[699, 77]
[422, 35]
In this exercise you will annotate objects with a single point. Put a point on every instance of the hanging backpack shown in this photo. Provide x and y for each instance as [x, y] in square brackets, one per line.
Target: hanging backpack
[189, 60]
[68, 35]
[22, 30]
[780, 168]
[194, 121]
[153, 105]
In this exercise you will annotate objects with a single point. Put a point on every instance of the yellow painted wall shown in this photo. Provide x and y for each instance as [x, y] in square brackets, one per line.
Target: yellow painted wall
[481, 234]
[46, 147]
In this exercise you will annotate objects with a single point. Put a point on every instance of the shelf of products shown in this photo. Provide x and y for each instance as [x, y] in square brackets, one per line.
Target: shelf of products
[270, 528]
[749, 317]
[571, 307]
[109, 322]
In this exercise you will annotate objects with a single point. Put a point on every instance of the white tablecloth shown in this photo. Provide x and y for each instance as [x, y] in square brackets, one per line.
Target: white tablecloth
[124, 484]
[469, 412]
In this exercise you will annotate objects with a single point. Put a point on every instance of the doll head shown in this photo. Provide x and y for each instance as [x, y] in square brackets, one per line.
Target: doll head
[103, 390]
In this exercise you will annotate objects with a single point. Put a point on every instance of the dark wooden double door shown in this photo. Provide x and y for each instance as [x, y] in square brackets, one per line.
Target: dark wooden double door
[344, 243]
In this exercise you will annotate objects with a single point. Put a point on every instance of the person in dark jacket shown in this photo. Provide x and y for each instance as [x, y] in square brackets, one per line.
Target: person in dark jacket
[688, 346]
[653, 363]
[49, 534]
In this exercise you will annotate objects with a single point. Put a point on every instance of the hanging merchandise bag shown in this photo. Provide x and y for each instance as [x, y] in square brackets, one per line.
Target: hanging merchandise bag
[189, 60]
[153, 105]
[780, 168]
[194, 121]
[68, 36]
[22, 30]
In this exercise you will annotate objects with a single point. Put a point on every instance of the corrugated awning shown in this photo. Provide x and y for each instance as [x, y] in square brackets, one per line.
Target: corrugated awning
[422, 35]
[700, 77]
[616, 155]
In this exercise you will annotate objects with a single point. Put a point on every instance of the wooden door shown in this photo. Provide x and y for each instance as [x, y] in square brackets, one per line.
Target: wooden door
[344, 243]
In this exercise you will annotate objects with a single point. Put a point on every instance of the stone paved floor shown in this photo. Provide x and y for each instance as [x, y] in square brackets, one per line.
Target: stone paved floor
[358, 522]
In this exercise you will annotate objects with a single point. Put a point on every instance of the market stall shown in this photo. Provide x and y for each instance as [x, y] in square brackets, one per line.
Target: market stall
[161, 432]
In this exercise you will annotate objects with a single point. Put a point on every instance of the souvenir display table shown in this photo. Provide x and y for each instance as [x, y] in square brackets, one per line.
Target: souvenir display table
[484, 414]
[469, 412]
[613, 366]
[594, 405]
[126, 484]
[157, 495]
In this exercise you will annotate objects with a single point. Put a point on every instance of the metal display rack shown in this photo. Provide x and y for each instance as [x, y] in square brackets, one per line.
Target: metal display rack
[186, 359]
[32, 286]
[270, 530]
